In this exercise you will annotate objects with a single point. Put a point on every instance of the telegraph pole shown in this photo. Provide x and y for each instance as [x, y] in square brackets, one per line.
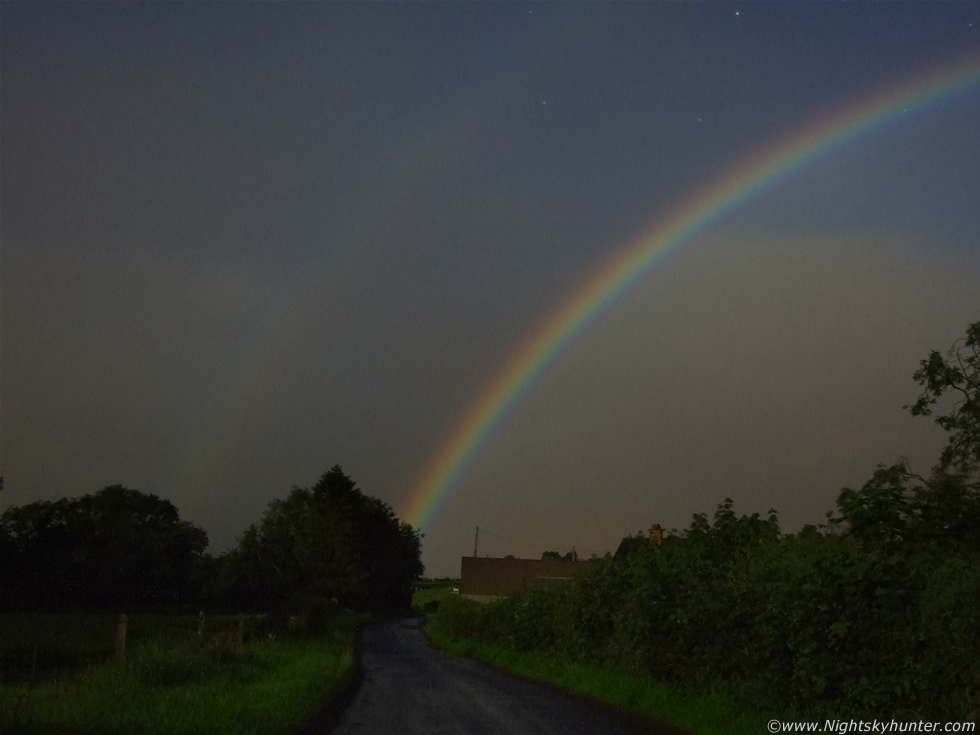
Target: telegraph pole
[476, 541]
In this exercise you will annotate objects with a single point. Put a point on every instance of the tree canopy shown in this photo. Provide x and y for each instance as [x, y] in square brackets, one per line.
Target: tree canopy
[121, 549]
[558, 556]
[956, 374]
[116, 547]
[326, 542]
[898, 507]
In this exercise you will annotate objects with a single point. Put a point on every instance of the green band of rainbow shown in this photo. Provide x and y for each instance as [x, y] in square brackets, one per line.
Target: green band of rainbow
[637, 259]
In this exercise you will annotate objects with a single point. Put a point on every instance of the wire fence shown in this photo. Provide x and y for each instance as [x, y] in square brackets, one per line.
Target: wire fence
[35, 645]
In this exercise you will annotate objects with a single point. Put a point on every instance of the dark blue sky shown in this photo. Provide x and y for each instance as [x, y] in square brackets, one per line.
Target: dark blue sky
[242, 242]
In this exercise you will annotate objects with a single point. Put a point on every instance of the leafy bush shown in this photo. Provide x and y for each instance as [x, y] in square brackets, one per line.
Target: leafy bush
[876, 613]
[810, 622]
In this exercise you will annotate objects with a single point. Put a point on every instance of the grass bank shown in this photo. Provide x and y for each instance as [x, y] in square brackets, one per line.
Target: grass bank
[704, 714]
[34, 646]
[167, 685]
[428, 599]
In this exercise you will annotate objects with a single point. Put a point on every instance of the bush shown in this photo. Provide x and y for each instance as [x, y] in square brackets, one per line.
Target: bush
[815, 622]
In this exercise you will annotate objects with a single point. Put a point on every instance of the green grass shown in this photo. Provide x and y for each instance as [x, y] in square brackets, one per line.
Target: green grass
[425, 596]
[36, 645]
[173, 685]
[704, 714]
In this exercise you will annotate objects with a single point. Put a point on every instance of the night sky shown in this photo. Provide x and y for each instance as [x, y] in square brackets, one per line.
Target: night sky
[244, 242]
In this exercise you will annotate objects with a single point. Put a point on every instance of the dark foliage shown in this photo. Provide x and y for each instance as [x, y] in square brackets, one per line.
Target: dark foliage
[557, 556]
[118, 548]
[955, 375]
[876, 613]
[329, 542]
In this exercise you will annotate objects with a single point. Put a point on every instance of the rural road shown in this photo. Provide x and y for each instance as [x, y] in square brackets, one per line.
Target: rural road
[411, 688]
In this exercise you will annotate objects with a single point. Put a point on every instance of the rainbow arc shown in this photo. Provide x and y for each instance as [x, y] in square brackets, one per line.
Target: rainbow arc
[637, 259]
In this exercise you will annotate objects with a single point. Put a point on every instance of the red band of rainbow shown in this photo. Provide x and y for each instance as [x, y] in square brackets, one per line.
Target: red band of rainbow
[637, 259]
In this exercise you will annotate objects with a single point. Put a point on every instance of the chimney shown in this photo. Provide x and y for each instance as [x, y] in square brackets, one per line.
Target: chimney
[656, 534]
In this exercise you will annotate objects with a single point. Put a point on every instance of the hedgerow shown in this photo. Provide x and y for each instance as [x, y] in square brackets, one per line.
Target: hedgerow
[808, 622]
[875, 613]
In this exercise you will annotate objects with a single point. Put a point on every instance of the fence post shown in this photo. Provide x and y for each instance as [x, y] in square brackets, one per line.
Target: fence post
[200, 628]
[240, 640]
[121, 638]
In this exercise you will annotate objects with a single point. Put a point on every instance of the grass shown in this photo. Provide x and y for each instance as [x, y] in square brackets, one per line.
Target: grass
[171, 684]
[701, 713]
[431, 597]
[35, 645]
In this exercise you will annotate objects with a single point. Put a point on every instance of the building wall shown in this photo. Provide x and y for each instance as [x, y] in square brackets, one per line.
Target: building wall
[483, 579]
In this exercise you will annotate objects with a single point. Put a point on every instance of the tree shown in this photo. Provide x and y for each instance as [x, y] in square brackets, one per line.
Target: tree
[329, 541]
[570, 556]
[118, 547]
[898, 509]
[957, 374]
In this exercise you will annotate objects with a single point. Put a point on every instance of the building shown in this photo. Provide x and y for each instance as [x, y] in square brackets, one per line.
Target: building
[485, 579]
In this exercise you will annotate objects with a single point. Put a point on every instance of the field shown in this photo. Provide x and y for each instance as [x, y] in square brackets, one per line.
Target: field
[58, 674]
[428, 599]
[36, 645]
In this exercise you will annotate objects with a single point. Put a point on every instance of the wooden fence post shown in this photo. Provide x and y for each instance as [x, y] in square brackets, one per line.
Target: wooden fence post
[240, 640]
[121, 638]
[200, 628]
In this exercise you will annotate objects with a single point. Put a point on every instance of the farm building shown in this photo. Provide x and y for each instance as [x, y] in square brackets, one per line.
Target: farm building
[485, 579]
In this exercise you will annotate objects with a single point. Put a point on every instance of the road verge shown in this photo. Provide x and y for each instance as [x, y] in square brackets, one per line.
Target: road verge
[705, 714]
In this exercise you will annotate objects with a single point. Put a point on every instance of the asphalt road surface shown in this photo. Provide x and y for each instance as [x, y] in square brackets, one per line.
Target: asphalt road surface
[411, 688]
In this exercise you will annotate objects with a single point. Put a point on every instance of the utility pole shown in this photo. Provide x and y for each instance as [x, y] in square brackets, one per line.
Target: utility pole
[476, 541]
